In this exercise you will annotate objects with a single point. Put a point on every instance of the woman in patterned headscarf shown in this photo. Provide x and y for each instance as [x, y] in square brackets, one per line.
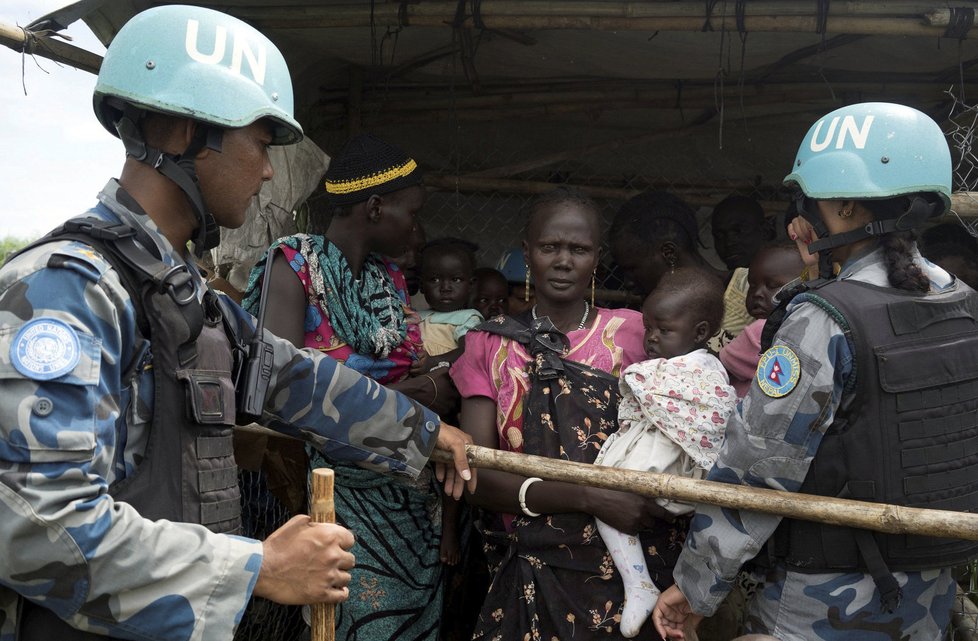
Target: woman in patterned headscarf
[338, 294]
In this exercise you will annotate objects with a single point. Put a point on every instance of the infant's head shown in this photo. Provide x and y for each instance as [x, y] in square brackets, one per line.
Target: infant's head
[682, 312]
[491, 296]
[773, 266]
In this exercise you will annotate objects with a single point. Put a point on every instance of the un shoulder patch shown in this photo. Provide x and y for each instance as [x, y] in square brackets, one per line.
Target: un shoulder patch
[778, 371]
[45, 348]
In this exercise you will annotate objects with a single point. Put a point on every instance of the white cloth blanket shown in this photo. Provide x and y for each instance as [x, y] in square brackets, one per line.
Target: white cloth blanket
[672, 417]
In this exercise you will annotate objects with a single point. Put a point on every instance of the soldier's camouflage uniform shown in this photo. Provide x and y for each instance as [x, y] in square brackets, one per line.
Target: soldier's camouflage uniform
[770, 443]
[95, 562]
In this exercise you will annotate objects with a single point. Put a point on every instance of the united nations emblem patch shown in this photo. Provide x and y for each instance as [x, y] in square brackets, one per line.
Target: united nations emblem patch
[778, 371]
[45, 348]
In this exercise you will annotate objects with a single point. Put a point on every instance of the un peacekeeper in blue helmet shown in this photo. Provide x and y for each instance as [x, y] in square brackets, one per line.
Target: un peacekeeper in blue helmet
[866, 375]
[119, 369]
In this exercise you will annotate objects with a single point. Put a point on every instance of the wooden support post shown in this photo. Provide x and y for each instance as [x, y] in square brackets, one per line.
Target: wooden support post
[323, 511]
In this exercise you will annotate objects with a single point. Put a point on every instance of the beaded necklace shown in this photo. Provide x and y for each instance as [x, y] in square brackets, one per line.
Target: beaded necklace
[587, 310]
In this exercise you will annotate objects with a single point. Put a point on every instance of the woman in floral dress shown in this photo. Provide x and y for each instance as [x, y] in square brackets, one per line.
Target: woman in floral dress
[549, 387]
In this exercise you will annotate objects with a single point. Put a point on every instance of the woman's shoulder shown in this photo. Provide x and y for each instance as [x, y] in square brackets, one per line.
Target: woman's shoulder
[621, 321]
[623, 313]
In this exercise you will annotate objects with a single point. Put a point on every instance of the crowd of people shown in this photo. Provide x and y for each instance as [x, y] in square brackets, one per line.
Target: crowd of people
[833, 356]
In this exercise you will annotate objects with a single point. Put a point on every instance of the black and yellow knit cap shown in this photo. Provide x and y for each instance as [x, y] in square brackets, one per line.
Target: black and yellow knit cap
[366, 166]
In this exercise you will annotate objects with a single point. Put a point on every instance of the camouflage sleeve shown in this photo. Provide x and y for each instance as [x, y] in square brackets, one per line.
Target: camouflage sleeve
[66, 331]
[344, 414]
[770, 443]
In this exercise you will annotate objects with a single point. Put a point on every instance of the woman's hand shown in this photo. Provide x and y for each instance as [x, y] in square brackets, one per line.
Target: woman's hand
[802, 232]
[624, 511]
[672, 615]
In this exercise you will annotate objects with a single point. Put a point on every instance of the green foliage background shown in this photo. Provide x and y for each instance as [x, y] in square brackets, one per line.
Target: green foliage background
[10, 244]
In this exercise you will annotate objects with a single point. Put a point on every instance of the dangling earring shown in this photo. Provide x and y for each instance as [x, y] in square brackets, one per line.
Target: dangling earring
[845, 213]
[592, 287]
[671, 261]
[526, 290]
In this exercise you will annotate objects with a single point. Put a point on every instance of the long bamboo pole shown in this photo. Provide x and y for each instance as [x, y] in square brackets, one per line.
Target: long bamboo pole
[323, 619]
[881, 517]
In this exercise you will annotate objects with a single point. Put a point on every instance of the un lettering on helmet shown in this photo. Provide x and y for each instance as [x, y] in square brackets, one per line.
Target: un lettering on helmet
[241, 48]
[848, 131]
[196, 63]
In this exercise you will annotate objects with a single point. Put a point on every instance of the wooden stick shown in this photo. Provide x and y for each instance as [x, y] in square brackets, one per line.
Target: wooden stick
[323, 511]
[881, 517]
[42, 44]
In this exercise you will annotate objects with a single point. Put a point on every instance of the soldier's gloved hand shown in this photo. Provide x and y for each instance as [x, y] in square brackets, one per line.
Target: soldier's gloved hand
[306, 562]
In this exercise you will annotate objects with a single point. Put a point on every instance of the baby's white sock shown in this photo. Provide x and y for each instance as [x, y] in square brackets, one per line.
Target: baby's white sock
[640, 593]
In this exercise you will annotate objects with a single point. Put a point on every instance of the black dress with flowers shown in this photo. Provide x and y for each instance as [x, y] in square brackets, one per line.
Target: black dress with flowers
[553, 578]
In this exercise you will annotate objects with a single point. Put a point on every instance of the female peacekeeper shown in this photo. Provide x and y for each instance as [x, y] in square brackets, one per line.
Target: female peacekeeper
[867, 391]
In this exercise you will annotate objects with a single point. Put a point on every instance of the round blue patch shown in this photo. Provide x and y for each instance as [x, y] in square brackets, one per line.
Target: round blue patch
[45, 348]
[778, 371]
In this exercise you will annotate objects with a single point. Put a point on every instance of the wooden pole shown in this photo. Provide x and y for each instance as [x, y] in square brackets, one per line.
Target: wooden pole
[323, 619]
[469, 184]
[881, 517]
[965, 203]
[854, 17]
[43, 44]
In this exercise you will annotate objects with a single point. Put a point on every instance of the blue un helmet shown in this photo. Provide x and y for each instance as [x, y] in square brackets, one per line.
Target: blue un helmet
[872, 151]
[195, 63]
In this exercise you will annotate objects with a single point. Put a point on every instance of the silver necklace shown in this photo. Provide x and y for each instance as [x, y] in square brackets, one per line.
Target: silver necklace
[587, 310]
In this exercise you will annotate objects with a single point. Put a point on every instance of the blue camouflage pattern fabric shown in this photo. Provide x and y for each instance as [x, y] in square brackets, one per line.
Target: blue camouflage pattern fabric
[770, 443]
[67, 544]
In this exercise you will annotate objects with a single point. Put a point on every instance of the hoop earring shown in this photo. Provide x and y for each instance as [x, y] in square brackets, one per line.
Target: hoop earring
[526, 289]
[592, 287]
[845, 213]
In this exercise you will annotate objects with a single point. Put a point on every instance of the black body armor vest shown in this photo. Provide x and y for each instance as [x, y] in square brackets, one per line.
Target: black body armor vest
[188, 473]
[909, 438]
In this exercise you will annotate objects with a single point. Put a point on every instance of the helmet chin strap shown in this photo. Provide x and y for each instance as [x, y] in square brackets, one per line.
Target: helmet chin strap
[181, 169]
[918, 210]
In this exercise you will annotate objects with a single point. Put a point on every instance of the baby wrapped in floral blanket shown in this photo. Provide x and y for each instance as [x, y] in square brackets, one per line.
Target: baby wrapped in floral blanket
[672, 416]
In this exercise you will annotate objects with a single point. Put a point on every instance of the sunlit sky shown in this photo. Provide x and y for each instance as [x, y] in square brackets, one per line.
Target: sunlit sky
[54, 155]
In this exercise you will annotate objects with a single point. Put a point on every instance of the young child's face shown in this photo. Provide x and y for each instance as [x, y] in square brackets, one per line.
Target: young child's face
[492, 296]
[769, 271]
[446, 281]
[670, 326]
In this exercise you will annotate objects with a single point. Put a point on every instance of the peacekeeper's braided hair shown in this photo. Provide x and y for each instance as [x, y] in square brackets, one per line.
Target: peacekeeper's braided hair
[902, 270]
